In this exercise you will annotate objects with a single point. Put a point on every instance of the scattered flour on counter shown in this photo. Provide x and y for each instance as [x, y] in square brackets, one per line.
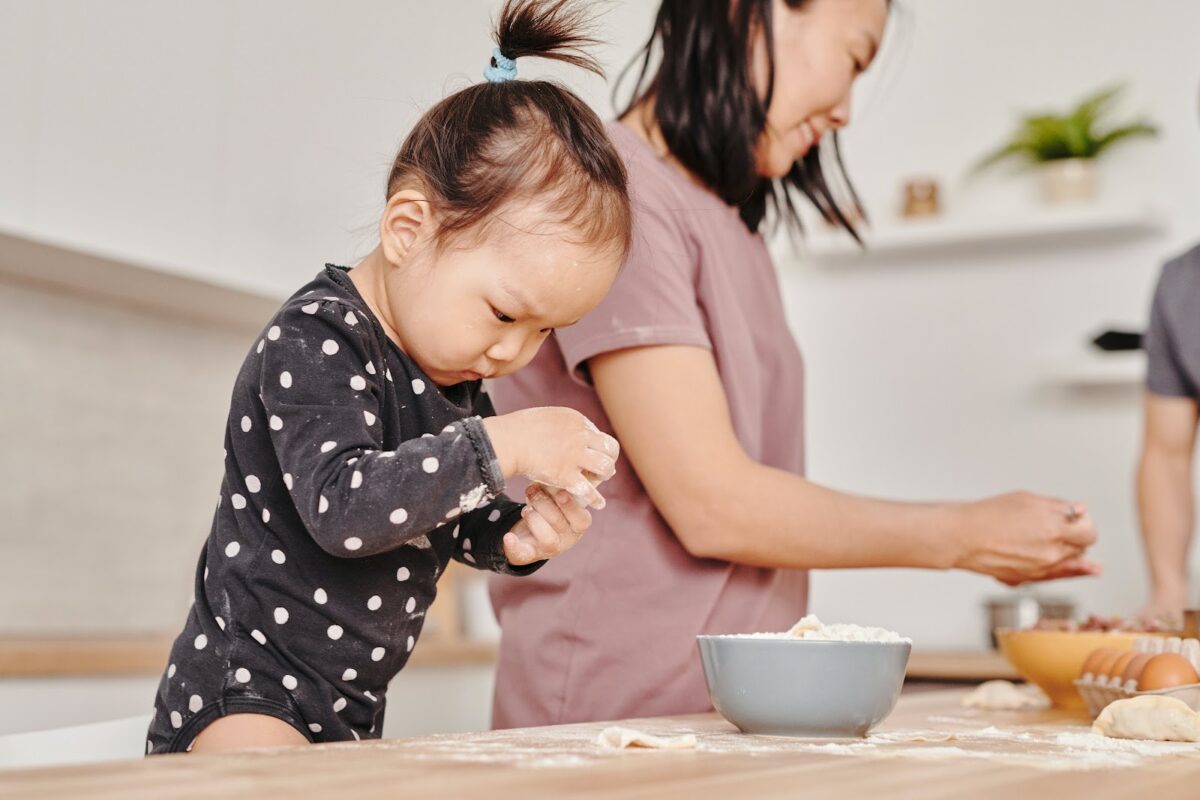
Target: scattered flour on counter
[575, 747]
[1104, 744]
[898, 737]
[813, 629]
[555, 762]
[995, 733]
[838, 749]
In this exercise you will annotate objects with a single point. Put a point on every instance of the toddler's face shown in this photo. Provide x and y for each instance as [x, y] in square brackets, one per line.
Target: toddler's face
[482, 310]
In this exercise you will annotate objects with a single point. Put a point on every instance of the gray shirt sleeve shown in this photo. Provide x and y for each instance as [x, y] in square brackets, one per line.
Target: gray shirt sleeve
[1166, 374]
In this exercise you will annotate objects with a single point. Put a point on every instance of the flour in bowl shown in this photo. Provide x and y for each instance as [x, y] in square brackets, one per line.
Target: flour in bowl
[813, 629]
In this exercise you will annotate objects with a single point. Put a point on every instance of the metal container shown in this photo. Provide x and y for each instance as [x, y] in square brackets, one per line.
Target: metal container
[1023, 610]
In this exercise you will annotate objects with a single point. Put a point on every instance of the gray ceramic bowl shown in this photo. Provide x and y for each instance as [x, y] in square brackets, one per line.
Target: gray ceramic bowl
[799, 687]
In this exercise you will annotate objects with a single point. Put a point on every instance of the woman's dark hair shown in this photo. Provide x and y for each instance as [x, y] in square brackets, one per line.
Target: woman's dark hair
[492, 143]
[711, 116]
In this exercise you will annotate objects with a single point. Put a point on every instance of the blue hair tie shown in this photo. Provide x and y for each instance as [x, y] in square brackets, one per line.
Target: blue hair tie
[504, 69]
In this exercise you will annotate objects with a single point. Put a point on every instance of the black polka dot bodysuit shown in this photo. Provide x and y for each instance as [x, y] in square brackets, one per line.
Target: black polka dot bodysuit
[350, 482]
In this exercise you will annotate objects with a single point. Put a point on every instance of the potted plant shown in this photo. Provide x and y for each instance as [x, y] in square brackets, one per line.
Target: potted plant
[1064, 148]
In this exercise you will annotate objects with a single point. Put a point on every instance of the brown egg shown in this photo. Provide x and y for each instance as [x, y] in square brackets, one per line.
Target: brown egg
[1133, 670]
[1106, 663]
[1091, 665]
[1118, 667]
[1166, 670]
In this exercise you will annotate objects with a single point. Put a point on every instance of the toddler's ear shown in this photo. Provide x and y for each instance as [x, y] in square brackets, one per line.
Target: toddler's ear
[406, 217]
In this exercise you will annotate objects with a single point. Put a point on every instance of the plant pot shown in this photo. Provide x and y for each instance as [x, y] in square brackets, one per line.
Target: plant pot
[1068, 180]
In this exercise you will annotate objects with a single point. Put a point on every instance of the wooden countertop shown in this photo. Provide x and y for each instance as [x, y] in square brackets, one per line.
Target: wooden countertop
[930, 748]
[147, 655]
[45, 657]
[967, 666]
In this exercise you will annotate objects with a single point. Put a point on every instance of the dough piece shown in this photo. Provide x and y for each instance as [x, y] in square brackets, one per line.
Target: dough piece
[1154, 717]
[1005, 696]
[618, 738]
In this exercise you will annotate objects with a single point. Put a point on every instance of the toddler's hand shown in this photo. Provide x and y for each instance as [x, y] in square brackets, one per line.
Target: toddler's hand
[548, 526]
[558, 447]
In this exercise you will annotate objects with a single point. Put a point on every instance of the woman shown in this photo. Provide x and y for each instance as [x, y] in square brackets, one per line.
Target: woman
[689, 362]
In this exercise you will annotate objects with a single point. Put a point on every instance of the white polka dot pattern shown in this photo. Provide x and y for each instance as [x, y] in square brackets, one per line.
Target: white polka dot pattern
[323, 452]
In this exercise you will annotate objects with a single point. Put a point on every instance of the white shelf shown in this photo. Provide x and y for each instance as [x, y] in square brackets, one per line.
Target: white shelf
[62, 267]
[947, 234]
[1097, 368]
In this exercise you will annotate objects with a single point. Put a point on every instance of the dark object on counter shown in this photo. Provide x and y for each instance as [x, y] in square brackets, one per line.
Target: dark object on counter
[1117, 341]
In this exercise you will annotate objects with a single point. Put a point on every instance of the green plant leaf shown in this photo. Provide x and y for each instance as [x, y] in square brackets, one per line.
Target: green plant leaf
[1094, 107]
[1007, 151]
[1048, 137]
[1123, 132]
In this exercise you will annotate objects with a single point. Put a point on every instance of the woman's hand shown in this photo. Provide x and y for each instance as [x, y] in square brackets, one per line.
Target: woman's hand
[557, 447]
[1166, 605]
[1022, 537]
[548, 526]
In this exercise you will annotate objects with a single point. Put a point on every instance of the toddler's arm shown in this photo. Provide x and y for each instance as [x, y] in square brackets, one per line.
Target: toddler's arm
[320, 390]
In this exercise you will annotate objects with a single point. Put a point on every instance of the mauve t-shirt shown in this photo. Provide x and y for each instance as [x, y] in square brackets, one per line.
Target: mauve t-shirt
[607, 630]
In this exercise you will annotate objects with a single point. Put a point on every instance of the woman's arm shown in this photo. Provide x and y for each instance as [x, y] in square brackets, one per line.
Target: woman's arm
[668, 408]
[1164, 488]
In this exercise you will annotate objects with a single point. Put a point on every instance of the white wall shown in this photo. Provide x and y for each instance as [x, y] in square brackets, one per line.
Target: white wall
[248, 142]
[927, 377]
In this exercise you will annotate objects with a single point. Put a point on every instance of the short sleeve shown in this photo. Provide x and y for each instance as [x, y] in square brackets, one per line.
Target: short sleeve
[1165, 374]
[653, 301]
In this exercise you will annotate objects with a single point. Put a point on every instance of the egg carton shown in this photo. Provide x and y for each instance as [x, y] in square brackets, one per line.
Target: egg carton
[1098, 693]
